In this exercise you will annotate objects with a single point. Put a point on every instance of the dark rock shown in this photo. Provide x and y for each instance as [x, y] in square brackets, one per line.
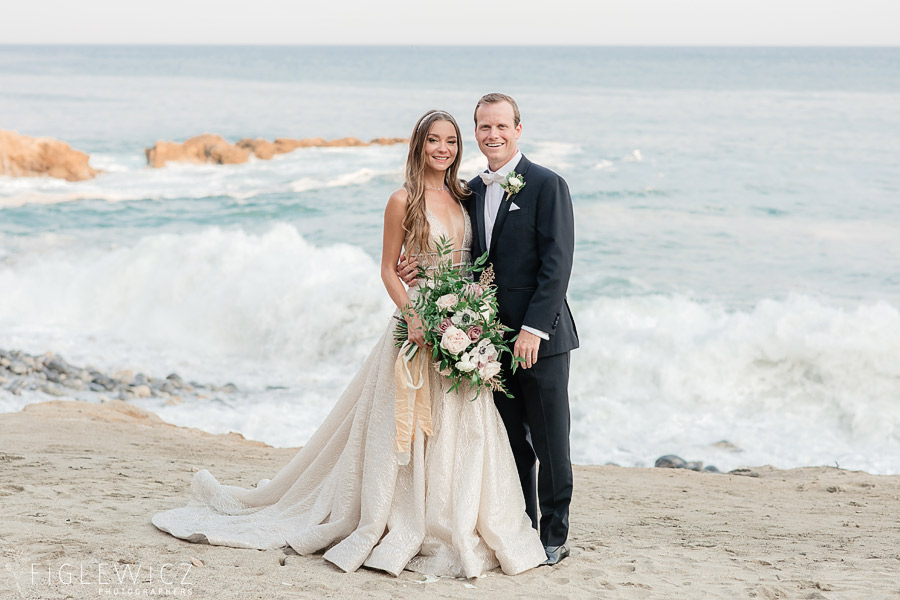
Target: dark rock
[103, 381]
[175, 380]
[59, 365]
[54, 376]
[670, 461]
[744, 472]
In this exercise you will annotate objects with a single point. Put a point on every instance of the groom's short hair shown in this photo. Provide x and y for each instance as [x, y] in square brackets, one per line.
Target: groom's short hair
[495, 97]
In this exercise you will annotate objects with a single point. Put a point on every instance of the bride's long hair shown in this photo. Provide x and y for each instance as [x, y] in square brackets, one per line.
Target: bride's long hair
[416, 223]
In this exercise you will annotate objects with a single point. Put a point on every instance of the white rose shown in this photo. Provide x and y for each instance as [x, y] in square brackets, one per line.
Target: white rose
[489, 370]
[514, 182]
[447, 301]
[455, 340]
[465, 363]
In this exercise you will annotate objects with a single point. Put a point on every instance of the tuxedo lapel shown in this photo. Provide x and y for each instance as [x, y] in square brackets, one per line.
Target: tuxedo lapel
[498, 223]
[478, 188]
[521, 168]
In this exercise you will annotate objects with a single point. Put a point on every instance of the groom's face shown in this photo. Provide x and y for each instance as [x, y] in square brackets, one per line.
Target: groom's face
[496, 133]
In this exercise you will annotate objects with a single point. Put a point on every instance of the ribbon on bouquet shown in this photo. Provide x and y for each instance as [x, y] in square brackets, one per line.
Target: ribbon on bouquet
[413, 398]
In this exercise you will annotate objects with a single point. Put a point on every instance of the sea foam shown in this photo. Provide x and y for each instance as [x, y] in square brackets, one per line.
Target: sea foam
[791, 381]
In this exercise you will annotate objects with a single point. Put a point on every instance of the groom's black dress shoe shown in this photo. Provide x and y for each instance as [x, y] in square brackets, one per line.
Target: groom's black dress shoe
[555, 554]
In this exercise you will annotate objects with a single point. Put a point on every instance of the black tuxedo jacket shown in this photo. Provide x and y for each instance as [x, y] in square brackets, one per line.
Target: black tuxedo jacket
[531, 250]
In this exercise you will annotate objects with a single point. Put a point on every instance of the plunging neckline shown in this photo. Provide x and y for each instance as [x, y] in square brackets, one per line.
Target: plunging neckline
[462, 242]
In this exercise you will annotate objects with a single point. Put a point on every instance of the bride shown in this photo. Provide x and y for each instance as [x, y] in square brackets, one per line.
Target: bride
[455, 507]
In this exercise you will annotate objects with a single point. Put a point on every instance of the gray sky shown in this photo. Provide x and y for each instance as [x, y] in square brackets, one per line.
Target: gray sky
[504, 22]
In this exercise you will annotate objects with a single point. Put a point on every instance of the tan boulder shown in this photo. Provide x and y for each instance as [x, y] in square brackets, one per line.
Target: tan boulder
[23, 156]
[263, 149]
[345, 142]
[206, 148]
[388, 141]
[310, 142]
[210, 148]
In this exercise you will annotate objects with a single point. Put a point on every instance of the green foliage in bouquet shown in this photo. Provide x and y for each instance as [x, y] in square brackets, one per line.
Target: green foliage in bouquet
[460, 321]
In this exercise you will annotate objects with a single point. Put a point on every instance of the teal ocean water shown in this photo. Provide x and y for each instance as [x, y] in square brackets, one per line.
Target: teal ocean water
[737, 227]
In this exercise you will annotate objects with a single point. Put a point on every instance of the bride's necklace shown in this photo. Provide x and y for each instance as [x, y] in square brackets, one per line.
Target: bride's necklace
[436, 189]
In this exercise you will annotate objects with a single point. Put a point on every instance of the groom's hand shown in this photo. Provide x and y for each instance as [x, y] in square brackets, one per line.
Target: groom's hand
[408, 270]
[527, 346]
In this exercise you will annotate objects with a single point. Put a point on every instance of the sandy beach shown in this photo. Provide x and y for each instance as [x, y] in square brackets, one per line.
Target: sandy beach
[79, 483]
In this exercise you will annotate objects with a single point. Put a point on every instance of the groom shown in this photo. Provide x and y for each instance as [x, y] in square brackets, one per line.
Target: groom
[530, 234]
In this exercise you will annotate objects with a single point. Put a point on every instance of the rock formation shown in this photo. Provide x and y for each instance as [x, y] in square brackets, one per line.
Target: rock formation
[388, 141]
[23, 156]
[210, 148]
[206, 148]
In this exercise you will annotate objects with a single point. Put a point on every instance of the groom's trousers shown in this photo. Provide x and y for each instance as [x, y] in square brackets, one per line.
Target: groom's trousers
[538, 423]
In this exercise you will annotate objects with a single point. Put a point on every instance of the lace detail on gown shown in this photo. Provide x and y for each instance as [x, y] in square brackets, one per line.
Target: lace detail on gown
[344, 493]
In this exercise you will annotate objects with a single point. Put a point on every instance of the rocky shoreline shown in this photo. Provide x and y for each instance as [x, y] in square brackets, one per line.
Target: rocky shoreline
[51, 374]
[214, 149]
[24, 156]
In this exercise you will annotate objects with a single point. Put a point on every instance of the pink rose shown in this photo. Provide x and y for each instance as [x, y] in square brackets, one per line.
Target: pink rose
[474, 333]
[474, 289]
[447, 301]
[445, 324]
[455, 340]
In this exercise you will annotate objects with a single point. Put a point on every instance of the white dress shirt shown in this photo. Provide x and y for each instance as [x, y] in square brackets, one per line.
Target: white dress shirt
[493, 196]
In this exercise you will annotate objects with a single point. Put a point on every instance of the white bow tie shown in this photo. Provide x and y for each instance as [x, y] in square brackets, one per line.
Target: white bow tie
[489, 178]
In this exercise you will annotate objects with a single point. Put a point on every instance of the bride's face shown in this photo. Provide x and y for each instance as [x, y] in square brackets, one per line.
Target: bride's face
[441, 146]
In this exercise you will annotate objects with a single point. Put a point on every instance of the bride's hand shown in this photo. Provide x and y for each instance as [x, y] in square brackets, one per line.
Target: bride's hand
[415, 329]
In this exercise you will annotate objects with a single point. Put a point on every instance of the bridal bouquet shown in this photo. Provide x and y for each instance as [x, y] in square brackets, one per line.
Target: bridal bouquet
[460, 322]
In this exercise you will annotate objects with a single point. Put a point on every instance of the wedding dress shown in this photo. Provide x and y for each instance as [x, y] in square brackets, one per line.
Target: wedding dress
[455, 509]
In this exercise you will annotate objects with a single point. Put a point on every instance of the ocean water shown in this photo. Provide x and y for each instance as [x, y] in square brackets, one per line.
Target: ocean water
[737, 224]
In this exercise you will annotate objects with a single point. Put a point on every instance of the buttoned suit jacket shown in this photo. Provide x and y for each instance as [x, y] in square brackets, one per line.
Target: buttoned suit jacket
[532, 248]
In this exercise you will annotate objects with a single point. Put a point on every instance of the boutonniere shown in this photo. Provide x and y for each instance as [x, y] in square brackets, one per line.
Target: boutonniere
[513, 184]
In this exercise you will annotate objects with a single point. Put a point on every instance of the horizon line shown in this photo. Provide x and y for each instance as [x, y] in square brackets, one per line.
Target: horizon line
[429, 45]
